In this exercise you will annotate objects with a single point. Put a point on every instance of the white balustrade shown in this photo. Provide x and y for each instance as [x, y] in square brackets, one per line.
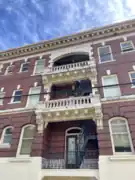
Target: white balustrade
[70, 67]
[69, 103]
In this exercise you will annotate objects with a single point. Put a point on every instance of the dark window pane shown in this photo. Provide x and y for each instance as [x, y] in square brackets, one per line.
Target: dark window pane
[25, 67]
[133, 81]
[18, 95]
[10, 69]
[105, 57]
[9, 131]
[122, 149]
[7, 139]
[127, 46]
[133, 75]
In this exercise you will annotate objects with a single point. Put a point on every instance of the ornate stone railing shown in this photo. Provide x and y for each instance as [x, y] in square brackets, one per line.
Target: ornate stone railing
[70, 67]
[56, 161]
[68, 103]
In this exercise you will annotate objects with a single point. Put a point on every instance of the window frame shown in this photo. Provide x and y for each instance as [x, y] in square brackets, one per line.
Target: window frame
[21, 140]
[8, 73]
[34, 71]
[115, 75]
[21, 68]
[28, 100]
[128, 50]
[13, 96]
[2, 144]
[112, 59]
[128, 132]
[132, 85]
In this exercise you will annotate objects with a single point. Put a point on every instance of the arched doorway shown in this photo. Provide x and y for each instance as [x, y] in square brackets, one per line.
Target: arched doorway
[71, 141]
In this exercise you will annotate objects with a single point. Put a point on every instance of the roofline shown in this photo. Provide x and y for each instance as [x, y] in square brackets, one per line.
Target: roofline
[81, 37]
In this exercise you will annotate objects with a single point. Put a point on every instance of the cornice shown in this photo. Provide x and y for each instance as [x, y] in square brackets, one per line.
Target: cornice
[91, 35]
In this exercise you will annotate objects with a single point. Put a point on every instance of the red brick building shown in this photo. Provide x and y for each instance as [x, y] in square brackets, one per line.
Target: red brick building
[67, 107]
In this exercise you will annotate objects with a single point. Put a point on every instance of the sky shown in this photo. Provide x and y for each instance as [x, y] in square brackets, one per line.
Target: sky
[25, 22]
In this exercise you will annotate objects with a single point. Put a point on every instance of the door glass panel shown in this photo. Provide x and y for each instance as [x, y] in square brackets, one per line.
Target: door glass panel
[71, 150]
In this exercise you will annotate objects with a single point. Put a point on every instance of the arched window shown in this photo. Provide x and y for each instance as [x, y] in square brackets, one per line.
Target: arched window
[120, 135]
[26, 139]
[6, 137]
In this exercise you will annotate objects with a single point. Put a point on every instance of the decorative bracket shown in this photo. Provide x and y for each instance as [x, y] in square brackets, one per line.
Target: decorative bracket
[40, 122]
[99, 117]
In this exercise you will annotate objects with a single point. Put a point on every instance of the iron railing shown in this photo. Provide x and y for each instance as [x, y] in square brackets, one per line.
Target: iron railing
[71, 160]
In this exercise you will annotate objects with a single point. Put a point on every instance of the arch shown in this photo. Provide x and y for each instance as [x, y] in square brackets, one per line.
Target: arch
[118, 122]
[69, 130]
[70, 54]
[22, 138]
[77, 56]
[8, 134]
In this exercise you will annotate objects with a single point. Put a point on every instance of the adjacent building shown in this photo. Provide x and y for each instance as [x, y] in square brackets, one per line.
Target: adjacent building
[67, 107]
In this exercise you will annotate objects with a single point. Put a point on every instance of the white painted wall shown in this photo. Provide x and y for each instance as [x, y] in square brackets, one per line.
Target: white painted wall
[13, 169]
[120, 167]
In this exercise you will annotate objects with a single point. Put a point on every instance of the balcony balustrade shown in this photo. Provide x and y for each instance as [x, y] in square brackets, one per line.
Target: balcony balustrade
[57, 160]
[71, 67]
[68, 103]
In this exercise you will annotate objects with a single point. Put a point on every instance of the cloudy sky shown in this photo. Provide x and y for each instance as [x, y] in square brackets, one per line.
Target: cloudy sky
[28, 21]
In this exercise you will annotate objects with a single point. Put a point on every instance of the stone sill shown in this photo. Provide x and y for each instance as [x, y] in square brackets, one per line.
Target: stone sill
[4, 146]
[127, 157]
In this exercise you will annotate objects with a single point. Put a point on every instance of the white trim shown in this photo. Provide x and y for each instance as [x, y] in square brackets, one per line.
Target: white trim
[2, 93]
[28, 98]
[110, 50]
[127, 42]
[5, 145]
[2, 89]
[21, 139]
[102, 79]
[20, 71]
[16, 110]
[18, 86]
[128, 132]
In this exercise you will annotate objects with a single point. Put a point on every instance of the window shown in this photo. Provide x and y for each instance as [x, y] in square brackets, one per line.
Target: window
[132, 78]
[2, 94]
[127, 46]
[39, 67]
[110, 88]
[17, 95]
[7, 135]
[120, 135]
[24, 67]
[9, 69]
[26, 139]
[34, 95]
[105, 54]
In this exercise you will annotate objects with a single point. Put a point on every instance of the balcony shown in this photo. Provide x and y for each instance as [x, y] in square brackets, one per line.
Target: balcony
[70, 72]
[72, 108]
[57, 161]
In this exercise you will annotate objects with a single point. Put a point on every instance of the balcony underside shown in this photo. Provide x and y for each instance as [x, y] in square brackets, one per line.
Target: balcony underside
[69, 114]
[69, 76]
